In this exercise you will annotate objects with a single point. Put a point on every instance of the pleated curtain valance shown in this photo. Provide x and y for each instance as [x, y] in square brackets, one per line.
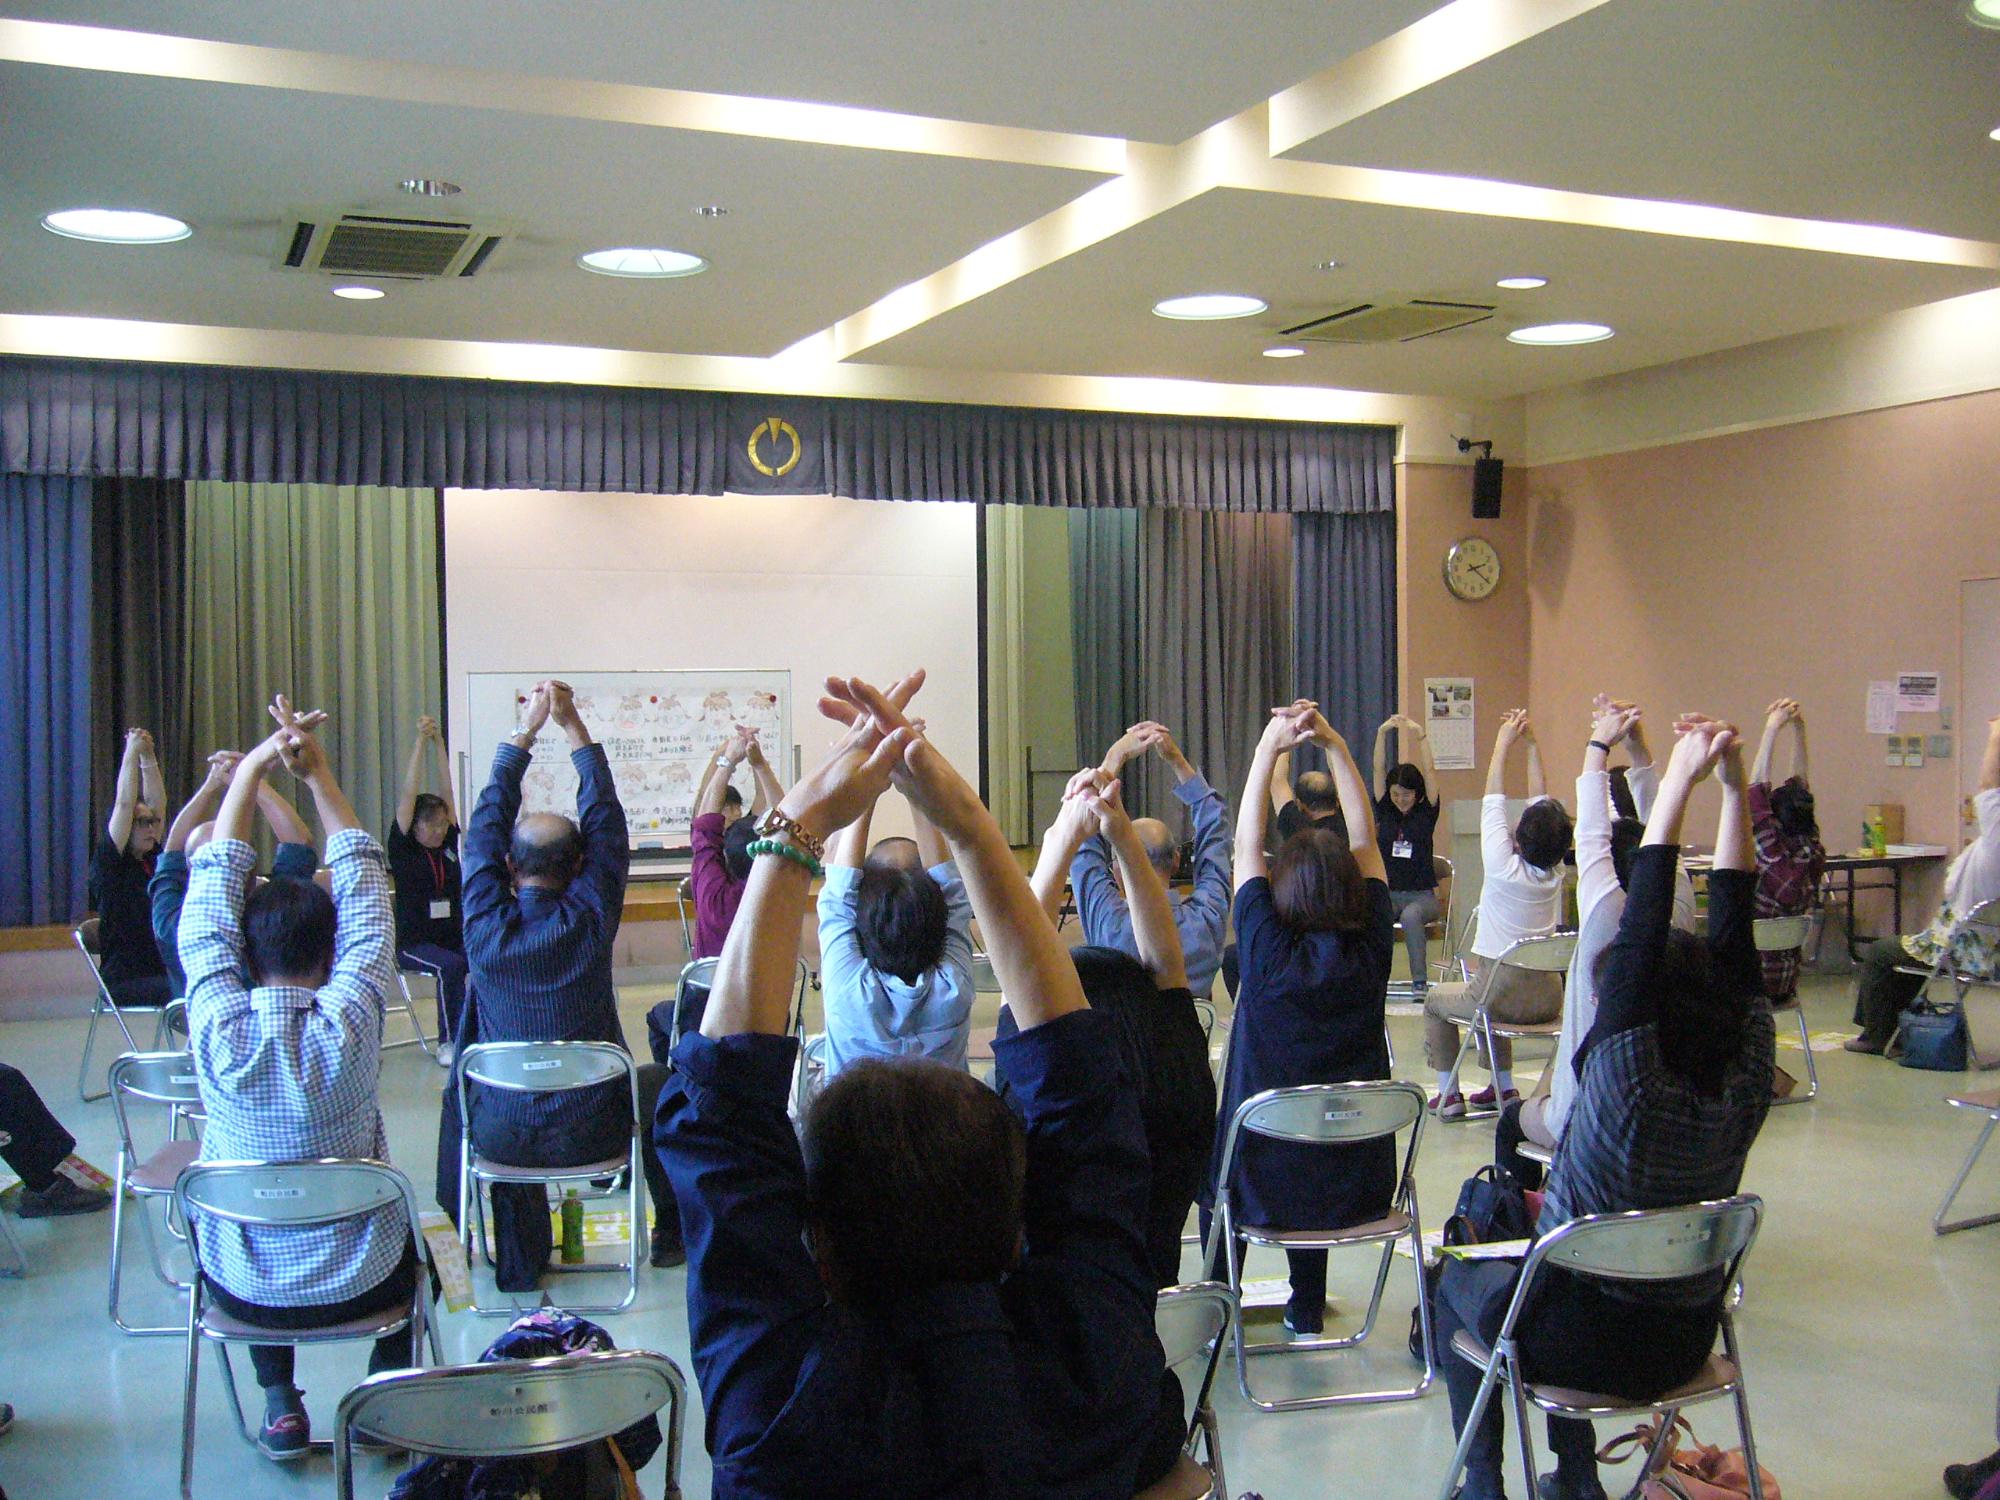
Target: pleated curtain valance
[102, 419]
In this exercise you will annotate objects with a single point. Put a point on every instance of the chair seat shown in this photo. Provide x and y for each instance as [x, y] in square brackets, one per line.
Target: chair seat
[1513, 1028]
[1715, 1377]
[222, 1325]
[1976, 1099]
[157, 1173]
[500, 1171]
[1387, 1227]
[1186, 1480]
[1535, 1151]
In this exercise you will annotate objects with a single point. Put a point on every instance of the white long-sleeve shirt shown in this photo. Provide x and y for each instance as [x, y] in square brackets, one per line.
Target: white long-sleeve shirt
[1516, 899]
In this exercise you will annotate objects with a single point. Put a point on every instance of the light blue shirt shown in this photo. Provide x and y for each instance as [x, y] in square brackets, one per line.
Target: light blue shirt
[1202, 916]
[872, 1014]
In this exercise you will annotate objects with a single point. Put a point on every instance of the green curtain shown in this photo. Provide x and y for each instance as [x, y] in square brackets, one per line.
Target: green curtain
[328, 593]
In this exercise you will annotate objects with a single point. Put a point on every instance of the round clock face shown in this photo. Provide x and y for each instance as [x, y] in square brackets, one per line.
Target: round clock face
[1472, 568]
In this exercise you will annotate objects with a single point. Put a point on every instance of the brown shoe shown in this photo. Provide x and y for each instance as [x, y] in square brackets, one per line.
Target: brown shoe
[1864, 1045]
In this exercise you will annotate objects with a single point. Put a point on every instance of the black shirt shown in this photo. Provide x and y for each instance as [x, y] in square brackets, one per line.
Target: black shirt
[1416, 828]
[422, 877]
[1293, 816]
[124, 912]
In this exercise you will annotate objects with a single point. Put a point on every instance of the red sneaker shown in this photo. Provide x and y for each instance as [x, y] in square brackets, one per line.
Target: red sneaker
[1450, 1107]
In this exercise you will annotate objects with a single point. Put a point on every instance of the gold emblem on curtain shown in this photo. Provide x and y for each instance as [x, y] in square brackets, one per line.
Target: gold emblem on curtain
[780, 432]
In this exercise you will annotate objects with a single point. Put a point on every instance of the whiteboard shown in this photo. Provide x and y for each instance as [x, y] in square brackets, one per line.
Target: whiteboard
[659, 731]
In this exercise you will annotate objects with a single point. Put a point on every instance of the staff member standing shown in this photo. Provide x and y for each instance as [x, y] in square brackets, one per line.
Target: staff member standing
[423, 856]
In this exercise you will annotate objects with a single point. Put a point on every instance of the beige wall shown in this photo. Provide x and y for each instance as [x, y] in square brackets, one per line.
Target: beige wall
[1801, 560]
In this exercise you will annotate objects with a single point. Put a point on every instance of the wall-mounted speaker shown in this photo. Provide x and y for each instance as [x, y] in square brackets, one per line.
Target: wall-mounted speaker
[1486, 474]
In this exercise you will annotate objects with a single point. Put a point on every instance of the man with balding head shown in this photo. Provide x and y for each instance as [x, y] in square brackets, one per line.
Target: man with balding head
[542, 899]
[1202, 915]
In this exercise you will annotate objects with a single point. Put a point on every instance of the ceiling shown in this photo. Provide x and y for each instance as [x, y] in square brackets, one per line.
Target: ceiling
[941, 242]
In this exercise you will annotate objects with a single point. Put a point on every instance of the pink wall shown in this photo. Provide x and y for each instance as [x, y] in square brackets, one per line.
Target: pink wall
[1801, 560]
[1443, 636]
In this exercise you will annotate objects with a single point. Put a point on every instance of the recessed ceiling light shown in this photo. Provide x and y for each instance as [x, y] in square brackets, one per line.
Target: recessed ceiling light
[1205, 306]
[1521, 283]
[1993, 134]
[1984, 13]
[1560, 333]
[712, 210]
[1326, 265]
[431, 187]
[635, 261]
[116, 226]
[1284, 351]
[359, 293]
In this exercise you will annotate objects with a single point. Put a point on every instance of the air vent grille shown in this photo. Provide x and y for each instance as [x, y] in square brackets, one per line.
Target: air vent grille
[377, 245]
[1389, 322]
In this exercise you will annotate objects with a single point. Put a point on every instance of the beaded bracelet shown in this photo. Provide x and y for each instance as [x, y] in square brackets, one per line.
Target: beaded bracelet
[784, 850]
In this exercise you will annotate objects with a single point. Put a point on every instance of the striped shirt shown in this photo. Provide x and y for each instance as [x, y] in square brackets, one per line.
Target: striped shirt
[1641, 1135]
[1788, 869]
[289, 1074]
[541, 959]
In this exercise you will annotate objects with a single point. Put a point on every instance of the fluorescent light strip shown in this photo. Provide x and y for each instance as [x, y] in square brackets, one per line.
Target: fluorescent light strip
[107, 50]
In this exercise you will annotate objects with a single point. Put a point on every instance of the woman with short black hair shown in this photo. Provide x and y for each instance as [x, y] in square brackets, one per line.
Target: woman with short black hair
[1315, 933]
[1406, 818]
[120, 866]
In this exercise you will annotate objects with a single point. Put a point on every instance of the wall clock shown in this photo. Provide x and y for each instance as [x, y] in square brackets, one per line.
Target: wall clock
[1472, 568]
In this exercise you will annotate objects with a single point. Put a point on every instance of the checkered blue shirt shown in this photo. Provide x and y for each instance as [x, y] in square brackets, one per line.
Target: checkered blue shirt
[289, 1074]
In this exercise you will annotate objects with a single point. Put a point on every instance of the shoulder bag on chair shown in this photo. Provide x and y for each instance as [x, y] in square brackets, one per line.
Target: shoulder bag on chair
[1933, 1037]
[1688, 1470]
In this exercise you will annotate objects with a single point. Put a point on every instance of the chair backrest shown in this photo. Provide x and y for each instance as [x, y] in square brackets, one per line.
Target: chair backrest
[1659, 1244]
[984, 980]
[508, 1408]
[1547, 954]
[1328, 1114]
[295, 1193]
[86, 935]
[543, 1068]
[151, 1078]
[1986, 914]
[1191, 1318]
[697, 971]
[1780, 934]
[682, 897]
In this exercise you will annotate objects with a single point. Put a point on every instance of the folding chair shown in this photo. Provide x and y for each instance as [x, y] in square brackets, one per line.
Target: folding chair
[166, 1079]
[1548, 954]
[547, 1068]
[1982, 925]
[1986, 1102]
[1192, 1322]
[1440, 930]
[18, 1268]
[1454, 959]
[683, 898]
[696, 973]
[1661, 1244]
[85, 936]
[408, 965]
[513, 1408]
[1326, 1114]
[1782, 935]
[287, 1195]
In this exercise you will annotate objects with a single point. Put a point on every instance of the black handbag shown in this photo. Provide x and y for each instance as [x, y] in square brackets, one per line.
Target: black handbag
[1491, 1206]
[1933, 1037]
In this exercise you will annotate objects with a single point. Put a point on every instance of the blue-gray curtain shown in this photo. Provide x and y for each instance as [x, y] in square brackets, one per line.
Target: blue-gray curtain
[100, 419]
[44, 698]
[1344, 623]
[1104, 629]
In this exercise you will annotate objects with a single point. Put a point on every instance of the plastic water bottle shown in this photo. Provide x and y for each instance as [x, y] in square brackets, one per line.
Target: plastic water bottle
[1878, 836]
[572, 1229]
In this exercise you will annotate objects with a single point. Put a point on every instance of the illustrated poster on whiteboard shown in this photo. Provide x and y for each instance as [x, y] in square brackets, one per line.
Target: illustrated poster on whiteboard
[1448, 722]
[659, 730]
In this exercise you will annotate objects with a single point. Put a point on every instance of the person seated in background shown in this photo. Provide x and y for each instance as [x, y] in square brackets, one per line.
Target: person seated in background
[1881, 992]
[1406, 817]
[423, 856]
[895, 947]
[1143, 987]
[1316, 937]
[1520, 897]
[1202, 916]
[1675, 1082]
[296, 859]
[543, 898]
[927, 1296]
[120, 866]
[1790, 857]
[35, 1147]
[289, 1064]
[1299, 804]
[721, 863]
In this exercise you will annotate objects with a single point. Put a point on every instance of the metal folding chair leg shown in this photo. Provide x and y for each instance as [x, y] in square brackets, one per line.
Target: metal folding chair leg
[83, 1065]
[409, 1009]
[114, 1292]
[19, 1267]
[1812, 1068]
[1938, 1222]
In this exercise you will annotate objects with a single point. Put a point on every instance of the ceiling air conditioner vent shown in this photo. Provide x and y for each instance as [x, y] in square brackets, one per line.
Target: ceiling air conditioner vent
[386, 246]
[1389, 322]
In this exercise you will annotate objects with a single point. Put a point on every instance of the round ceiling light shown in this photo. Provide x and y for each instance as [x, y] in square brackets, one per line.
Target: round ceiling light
[646, 264]
[1326, 265]
[116, 226]
[712, 210]
[1208, 306]
[431, 187]
[1984, 13]
[1548, 334]
[1993, 134]
[1521, 283]
[360, 293]
[1284, 351]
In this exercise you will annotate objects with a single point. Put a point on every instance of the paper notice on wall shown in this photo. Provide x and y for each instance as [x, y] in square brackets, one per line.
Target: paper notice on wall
[1881, 708]
[1918, 692]
[1448, 722]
